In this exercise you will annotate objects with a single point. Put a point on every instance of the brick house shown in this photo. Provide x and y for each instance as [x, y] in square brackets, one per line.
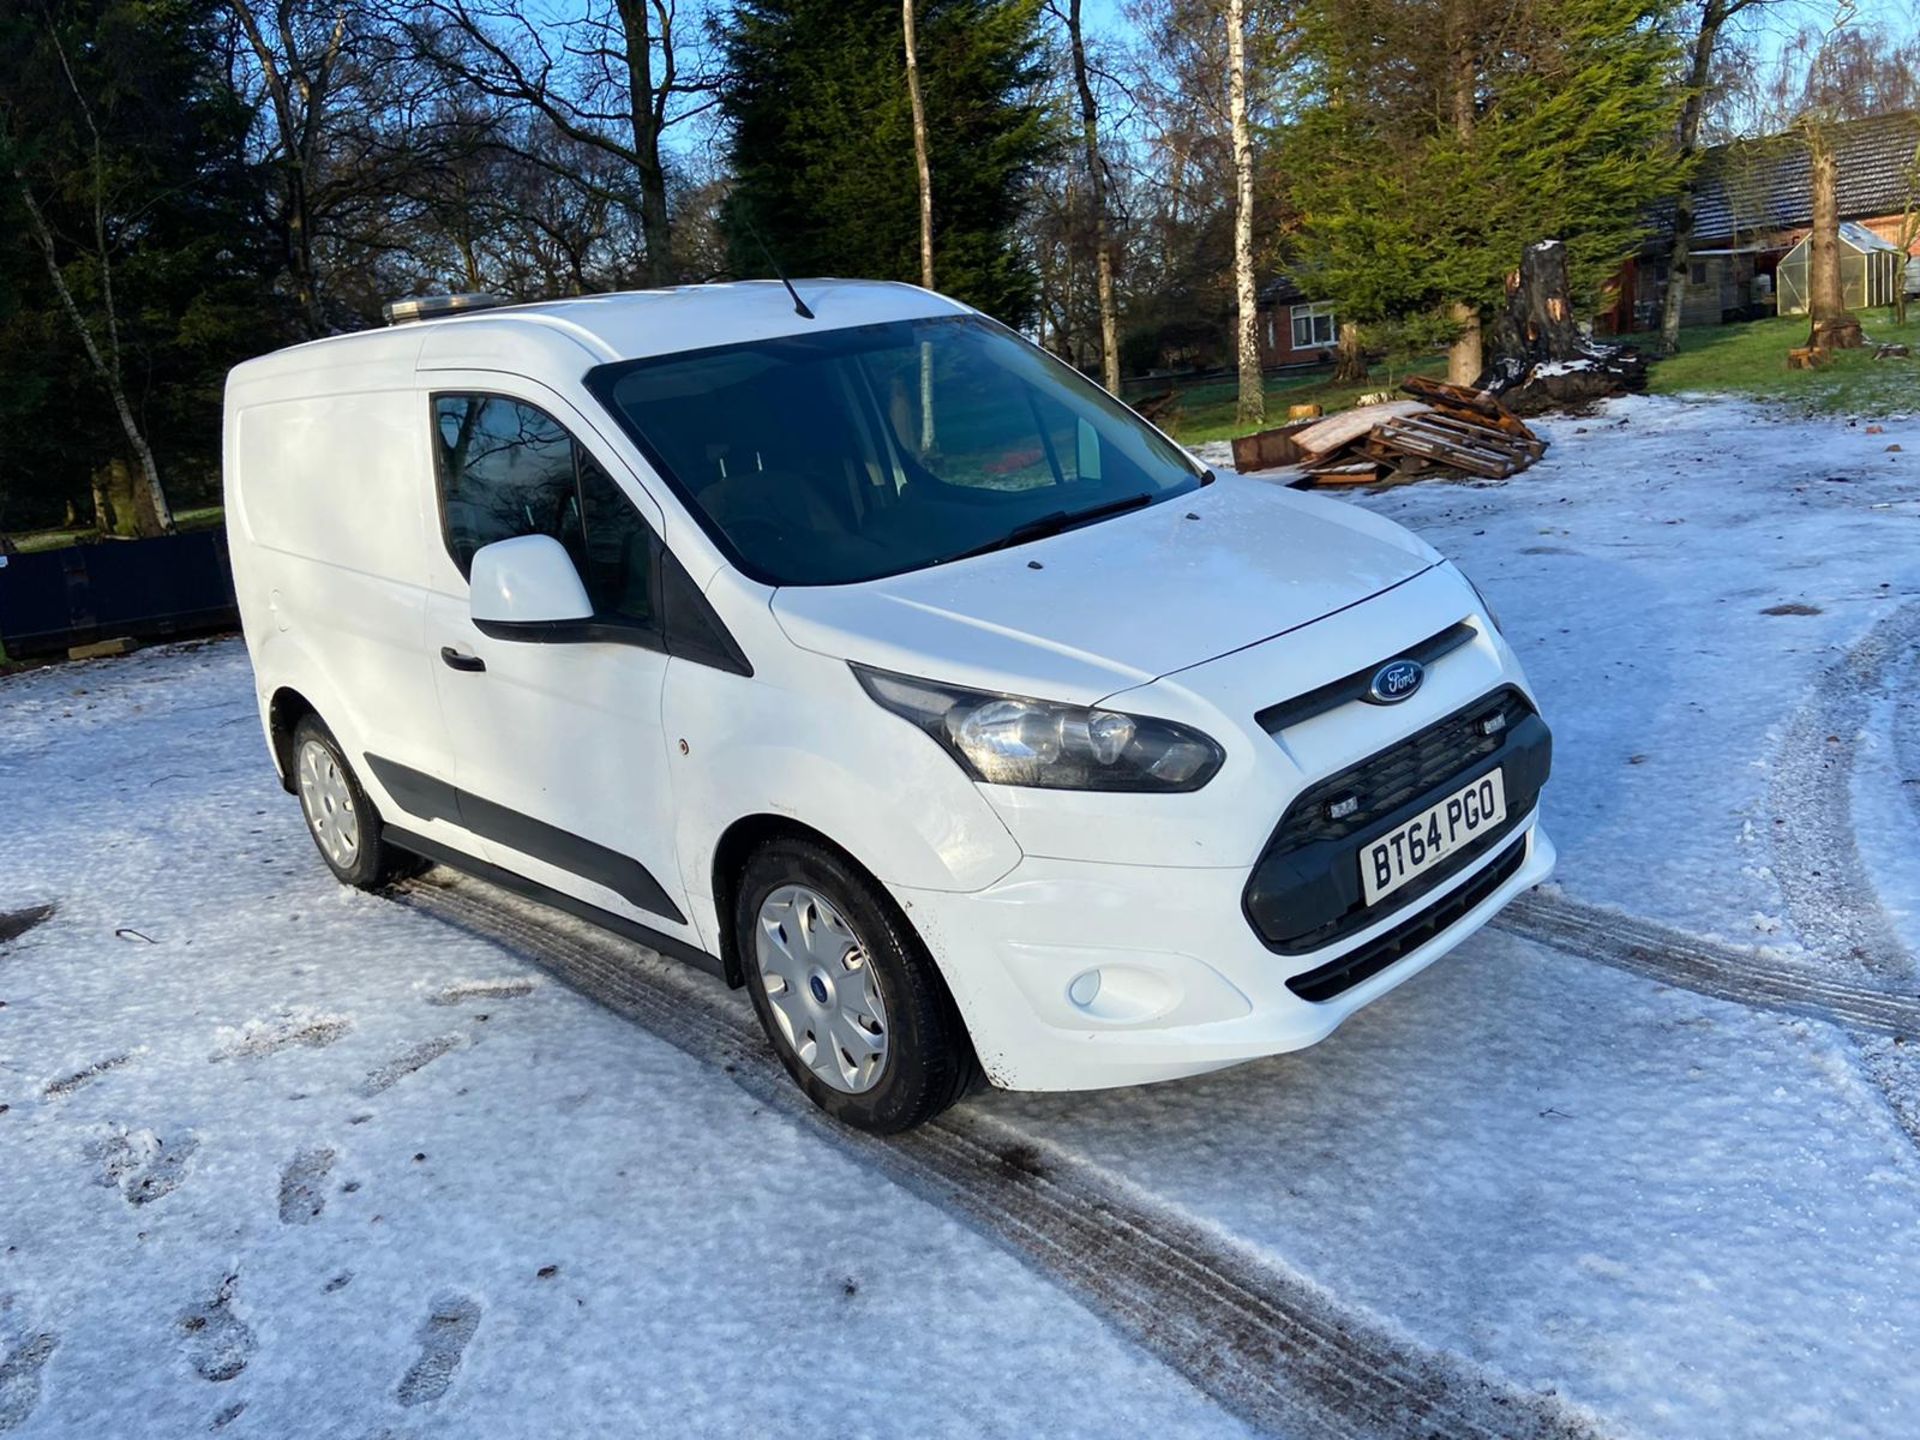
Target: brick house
[1293, 327]
[1754, 204]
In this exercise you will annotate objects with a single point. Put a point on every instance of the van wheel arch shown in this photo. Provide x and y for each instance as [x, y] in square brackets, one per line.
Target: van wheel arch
[737, 845]
[284, 713]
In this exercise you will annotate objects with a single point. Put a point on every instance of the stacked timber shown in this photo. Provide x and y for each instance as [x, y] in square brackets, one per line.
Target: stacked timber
[1443, 431]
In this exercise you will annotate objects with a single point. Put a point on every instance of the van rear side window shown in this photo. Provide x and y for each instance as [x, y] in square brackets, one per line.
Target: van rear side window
[507, 469]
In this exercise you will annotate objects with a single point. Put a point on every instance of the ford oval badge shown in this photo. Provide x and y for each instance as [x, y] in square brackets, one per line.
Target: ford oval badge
[1395, 681]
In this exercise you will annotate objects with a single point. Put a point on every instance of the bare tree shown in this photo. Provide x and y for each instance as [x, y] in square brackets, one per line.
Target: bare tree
[1097, 200]
[1252, 408]
[1714, 15]
[1178, 182]
[297, 45]
[922, 167]
[924, 172]
[1908, 234]
[102, 349]
[1466, 356]
[614, 78]
[1833, 325]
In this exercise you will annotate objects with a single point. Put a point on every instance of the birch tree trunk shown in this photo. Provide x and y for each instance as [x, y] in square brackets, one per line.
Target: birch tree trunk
[1102, 227]
[1833, 327]
[924, 169]
[1466, 357]
[105, 365]
[1253, 392]
[920, 161]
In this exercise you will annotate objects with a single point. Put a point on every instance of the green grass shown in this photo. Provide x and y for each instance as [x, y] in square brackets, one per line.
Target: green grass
[203, 518]
[1750, 360]
[1207, 410]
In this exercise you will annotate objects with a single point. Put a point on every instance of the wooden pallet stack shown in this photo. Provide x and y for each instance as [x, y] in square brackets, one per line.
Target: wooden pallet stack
[1444, 430]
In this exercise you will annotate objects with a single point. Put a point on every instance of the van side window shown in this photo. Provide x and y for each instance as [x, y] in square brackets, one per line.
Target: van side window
[509, 469]
[506, 469]
[620, 547]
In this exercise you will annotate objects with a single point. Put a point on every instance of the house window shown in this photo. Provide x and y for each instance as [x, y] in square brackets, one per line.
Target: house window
[1312, 326]
[1699, 274]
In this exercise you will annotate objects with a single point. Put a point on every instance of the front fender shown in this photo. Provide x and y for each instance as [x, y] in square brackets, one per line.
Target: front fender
[810, 746]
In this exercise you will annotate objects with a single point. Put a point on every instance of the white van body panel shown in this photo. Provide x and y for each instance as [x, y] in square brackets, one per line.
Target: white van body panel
[1117, 604]
[328, 519]
[613, 773]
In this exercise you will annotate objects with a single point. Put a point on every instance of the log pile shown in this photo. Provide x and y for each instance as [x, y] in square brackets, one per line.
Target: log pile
[1443, 431]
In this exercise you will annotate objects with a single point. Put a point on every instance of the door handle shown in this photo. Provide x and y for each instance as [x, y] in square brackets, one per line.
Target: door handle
[456, 661]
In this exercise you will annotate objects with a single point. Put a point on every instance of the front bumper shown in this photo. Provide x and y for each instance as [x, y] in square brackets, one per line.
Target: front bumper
[1185, 984]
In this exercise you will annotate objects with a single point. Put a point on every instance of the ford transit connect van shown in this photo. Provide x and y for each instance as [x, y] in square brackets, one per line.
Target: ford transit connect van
[881, 664]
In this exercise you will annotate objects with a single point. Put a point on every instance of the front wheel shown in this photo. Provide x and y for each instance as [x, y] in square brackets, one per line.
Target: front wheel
[848, 995]
[344, 825]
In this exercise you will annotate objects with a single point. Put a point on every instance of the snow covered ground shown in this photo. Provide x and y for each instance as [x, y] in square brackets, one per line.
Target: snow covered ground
[282, 1159]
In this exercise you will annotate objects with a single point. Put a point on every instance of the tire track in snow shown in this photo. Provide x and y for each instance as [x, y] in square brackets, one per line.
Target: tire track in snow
[1264, 1343]
[1723, 972]
[1829, 895]
[1906, 732]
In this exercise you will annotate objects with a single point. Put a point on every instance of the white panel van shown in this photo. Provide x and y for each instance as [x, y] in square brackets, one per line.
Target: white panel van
[876, 661]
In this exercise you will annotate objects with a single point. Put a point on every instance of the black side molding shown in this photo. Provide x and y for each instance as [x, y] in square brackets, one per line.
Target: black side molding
[559, 900]
[426, 798]
[1347, 688]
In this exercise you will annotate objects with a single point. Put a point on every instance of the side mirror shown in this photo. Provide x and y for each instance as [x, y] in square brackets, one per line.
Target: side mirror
[524, 588]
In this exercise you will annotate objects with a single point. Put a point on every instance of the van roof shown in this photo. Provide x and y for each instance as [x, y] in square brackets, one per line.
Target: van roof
[624, 325]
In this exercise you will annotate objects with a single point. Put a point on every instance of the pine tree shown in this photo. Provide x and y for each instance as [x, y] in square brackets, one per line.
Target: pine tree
[1431, 148]
[133, 268]
[822, 141]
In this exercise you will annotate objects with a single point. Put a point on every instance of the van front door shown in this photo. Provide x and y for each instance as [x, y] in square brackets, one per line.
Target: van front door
[560, 765]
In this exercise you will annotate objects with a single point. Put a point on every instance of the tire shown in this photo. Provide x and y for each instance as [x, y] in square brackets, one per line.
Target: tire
[342, 821]
[800, 911]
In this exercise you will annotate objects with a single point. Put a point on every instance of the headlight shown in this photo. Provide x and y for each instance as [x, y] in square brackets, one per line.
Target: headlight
[1480, 595]
[1007, 740]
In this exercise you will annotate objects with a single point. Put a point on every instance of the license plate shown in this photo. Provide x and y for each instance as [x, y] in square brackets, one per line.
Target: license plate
[1410, 850]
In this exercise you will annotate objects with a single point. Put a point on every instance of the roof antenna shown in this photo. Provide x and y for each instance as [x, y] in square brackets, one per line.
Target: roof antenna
[799, 305]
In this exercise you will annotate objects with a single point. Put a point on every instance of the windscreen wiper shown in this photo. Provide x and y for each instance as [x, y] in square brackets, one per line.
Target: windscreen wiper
[1053, 523]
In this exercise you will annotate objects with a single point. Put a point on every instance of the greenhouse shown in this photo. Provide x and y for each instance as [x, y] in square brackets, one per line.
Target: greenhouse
[1870, 271]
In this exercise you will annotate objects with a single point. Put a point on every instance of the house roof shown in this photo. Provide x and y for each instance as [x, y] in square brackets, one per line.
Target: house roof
[1751, 187]
[1282, 289]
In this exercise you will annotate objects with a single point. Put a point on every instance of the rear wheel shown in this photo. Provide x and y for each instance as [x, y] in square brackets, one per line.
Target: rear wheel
[848, 995]
[344, 825]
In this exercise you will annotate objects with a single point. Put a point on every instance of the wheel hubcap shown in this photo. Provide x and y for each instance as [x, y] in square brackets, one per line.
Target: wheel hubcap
[328, 804]
[821, 989]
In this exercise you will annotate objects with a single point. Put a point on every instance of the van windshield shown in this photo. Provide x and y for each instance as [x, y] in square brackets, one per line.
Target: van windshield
[845, 455]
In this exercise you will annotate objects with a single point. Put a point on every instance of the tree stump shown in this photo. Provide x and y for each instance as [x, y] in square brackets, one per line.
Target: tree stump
[1350, 356]
[1540, 359]
[1841, 333]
